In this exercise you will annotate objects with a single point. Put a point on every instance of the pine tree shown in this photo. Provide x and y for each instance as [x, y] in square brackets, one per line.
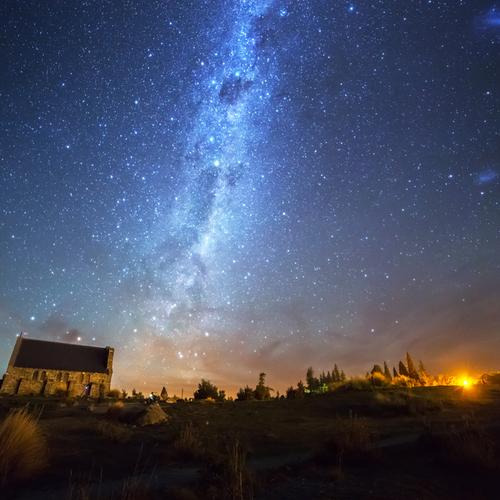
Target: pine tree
[412, 371]
[312, 381]
[376, 369]
[394, 372]
[342, 376]
[387, 372]
[262, 391]
[422, 373]
[336, 374]
[402, 369]
[164, 394]
[300, 389]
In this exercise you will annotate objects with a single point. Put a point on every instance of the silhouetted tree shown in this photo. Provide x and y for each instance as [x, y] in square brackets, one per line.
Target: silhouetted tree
[164, 394]
[336, 373]
[245, 394]
[376, 369]
[300, 389]
[412, 371]
[342, 376]
[394, 372]
[402, 369]
[262, 391]
[422, 373]
[312, 381]
[387, 372]
[208, 390]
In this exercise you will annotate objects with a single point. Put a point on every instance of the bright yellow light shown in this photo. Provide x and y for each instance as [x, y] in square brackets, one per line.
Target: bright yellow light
[466, 383]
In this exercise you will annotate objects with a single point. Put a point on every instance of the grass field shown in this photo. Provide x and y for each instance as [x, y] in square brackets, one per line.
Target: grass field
[425, 443]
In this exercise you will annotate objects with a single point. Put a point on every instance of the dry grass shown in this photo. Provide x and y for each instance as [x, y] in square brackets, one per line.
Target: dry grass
[23, 447]
[228, 477]
[114, 432]
[188, 443]
[395, 403]
[351, 442]
[466, 445]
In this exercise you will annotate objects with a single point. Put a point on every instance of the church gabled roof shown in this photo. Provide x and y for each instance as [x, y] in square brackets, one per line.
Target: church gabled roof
[43, 354]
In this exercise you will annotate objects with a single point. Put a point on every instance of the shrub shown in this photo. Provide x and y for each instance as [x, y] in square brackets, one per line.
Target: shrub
[23, 448]
[378, 379]
[246, 394]
[403, 381]
[114, 393]
[355, 384]
[114, 432]
[208, 390]
[115, 410]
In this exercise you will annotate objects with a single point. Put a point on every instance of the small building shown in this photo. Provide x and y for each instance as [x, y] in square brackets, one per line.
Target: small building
[40, 367]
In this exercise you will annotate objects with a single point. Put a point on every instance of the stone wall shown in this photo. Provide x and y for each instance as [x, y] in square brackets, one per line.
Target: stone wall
[37, 381]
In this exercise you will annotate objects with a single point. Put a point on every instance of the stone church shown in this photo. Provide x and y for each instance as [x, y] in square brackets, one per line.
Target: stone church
[40, 367]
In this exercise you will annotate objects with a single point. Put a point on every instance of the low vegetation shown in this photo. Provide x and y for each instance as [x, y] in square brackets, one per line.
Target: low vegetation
[114, 432]
[23, 447]
[188, 443]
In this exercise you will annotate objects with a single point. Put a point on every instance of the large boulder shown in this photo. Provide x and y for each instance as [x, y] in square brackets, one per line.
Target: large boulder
[152, 414]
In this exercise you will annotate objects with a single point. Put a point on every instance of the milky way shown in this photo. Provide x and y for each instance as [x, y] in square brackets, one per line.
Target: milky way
[219, 188]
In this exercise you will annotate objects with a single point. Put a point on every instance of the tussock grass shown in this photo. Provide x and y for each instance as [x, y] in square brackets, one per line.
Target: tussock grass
[351, 442]
[188, 443]
[117, 433]
[228, 476]
[23, 447]
[466, 445]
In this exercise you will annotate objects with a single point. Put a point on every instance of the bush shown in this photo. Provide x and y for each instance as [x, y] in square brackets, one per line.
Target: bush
[208, 390]
[114, 393]
[23, 448]
[403, 381]
[116, 409]
[378, 379]
[395, 403]
[355, 384]
[114, 432]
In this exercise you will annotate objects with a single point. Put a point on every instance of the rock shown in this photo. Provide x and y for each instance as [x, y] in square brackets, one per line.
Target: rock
[153, 414]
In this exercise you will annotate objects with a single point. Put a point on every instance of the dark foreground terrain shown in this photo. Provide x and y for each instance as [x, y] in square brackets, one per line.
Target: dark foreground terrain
[426, 443]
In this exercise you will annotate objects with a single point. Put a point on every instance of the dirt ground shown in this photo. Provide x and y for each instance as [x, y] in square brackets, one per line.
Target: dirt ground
[425, 443]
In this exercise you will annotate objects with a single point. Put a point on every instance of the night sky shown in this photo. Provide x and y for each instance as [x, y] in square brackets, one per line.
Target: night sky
[218, 188]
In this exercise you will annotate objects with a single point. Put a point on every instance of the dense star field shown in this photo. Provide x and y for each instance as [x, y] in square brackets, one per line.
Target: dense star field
[218, 188]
